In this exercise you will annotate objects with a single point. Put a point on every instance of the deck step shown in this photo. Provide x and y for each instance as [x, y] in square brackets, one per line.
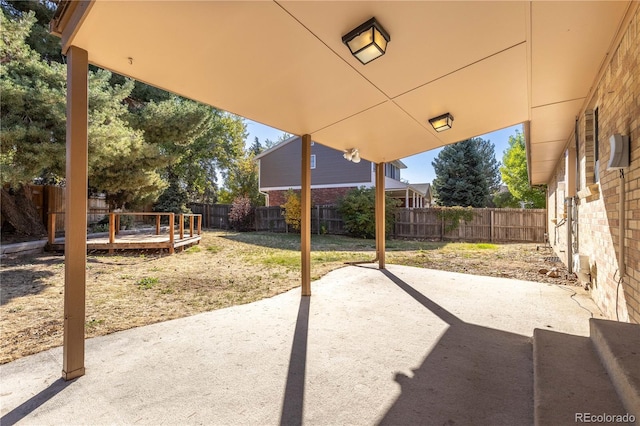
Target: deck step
[618, 345]
[569, 379]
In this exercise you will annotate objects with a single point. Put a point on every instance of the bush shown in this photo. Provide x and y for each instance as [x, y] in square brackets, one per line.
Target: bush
[241, 215]
[357, 209]
[292, 209]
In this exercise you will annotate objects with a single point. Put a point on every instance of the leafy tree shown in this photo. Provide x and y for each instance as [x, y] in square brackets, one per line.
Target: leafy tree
[515, 175]
[194, 140]
[357, 209]
[505, 200]
[292, 209]
[241, 180]
[460, 176]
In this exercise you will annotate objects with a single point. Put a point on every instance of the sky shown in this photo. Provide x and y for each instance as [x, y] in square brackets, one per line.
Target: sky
[419, 168]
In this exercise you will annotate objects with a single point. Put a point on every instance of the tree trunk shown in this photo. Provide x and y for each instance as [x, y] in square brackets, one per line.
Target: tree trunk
[18, 209]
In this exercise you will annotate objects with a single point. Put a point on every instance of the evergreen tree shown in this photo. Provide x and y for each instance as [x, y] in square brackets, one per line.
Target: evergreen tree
[39, 39]
[490, 166]
[256, 147]
[460, 178]
[33, 137]
[33, 108]
[515, 175]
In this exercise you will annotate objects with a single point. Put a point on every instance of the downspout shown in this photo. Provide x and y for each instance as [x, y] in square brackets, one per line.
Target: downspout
[621, 217]
[569, 203]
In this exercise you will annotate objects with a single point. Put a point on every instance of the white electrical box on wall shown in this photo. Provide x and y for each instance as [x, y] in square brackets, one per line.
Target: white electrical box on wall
[619, 154]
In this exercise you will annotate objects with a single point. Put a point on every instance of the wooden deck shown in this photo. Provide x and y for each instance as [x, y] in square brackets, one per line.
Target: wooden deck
[133, 242]
[115, 240]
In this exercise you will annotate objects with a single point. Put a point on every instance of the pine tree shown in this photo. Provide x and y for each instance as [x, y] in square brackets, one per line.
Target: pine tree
[256, 148]
[460, 178]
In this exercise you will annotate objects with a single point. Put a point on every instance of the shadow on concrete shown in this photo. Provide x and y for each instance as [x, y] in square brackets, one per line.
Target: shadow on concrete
[293, 402]
[474, 375]
[30, 405]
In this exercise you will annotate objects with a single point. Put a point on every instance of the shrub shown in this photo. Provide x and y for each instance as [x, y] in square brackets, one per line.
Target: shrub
[292, 209]
[357, 209]
[241, 215]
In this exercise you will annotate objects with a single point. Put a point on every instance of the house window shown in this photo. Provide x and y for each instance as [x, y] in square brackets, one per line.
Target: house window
[596, 146]
[313, 161]
[391, 171]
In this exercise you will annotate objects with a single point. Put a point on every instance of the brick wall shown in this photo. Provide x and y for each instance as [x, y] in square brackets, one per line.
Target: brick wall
[617, 99]
[319, 196]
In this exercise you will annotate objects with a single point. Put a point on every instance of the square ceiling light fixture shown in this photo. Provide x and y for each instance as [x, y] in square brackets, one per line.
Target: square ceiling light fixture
[368, 41]
[442, 122]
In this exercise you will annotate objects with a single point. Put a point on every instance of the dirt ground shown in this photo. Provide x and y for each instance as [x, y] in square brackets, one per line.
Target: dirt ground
[133, 289]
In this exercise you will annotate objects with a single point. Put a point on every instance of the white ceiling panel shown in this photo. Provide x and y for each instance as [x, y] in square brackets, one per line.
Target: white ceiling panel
[554, 122]
[428, 39]
[473, 95]
[249, 58]
[566, 53]
[379, 131]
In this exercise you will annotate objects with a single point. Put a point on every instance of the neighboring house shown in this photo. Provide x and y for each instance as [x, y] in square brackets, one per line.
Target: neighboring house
[331, 175]
[586, 199]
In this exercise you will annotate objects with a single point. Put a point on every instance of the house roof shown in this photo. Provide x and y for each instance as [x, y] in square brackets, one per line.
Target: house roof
[276, 146]
[399, 164]
[490, 64]
[423, 188]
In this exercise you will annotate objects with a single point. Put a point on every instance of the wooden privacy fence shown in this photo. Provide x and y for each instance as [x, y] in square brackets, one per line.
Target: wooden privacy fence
[498, 225]
[213, 215]
[494, 225]
[324, 220]
[50, 199]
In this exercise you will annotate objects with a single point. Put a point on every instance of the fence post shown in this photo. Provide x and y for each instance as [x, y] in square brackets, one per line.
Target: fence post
[491, 223]
[191, 226]
[200, 225]
[112, 228]
[157, 224]
[52, 228]
[318, 211]
[172, 222]
[181, 225]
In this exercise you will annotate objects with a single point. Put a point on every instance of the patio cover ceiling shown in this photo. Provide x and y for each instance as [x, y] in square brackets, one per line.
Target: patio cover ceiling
[282, 63]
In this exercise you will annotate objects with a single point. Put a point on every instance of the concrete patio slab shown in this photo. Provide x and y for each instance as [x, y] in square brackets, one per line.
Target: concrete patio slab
[400, 346]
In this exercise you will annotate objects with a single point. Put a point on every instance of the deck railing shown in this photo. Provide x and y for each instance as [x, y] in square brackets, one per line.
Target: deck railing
[114, 224]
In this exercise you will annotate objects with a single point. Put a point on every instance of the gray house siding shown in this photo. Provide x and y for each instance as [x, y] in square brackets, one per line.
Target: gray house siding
[281, 167]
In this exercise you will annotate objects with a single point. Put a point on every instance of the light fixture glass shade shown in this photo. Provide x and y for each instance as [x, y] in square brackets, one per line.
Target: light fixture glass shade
[368, 41]
[352, 155]
[442, 122]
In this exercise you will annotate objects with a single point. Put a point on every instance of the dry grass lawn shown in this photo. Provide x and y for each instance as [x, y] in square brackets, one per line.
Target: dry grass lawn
[133, 289]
